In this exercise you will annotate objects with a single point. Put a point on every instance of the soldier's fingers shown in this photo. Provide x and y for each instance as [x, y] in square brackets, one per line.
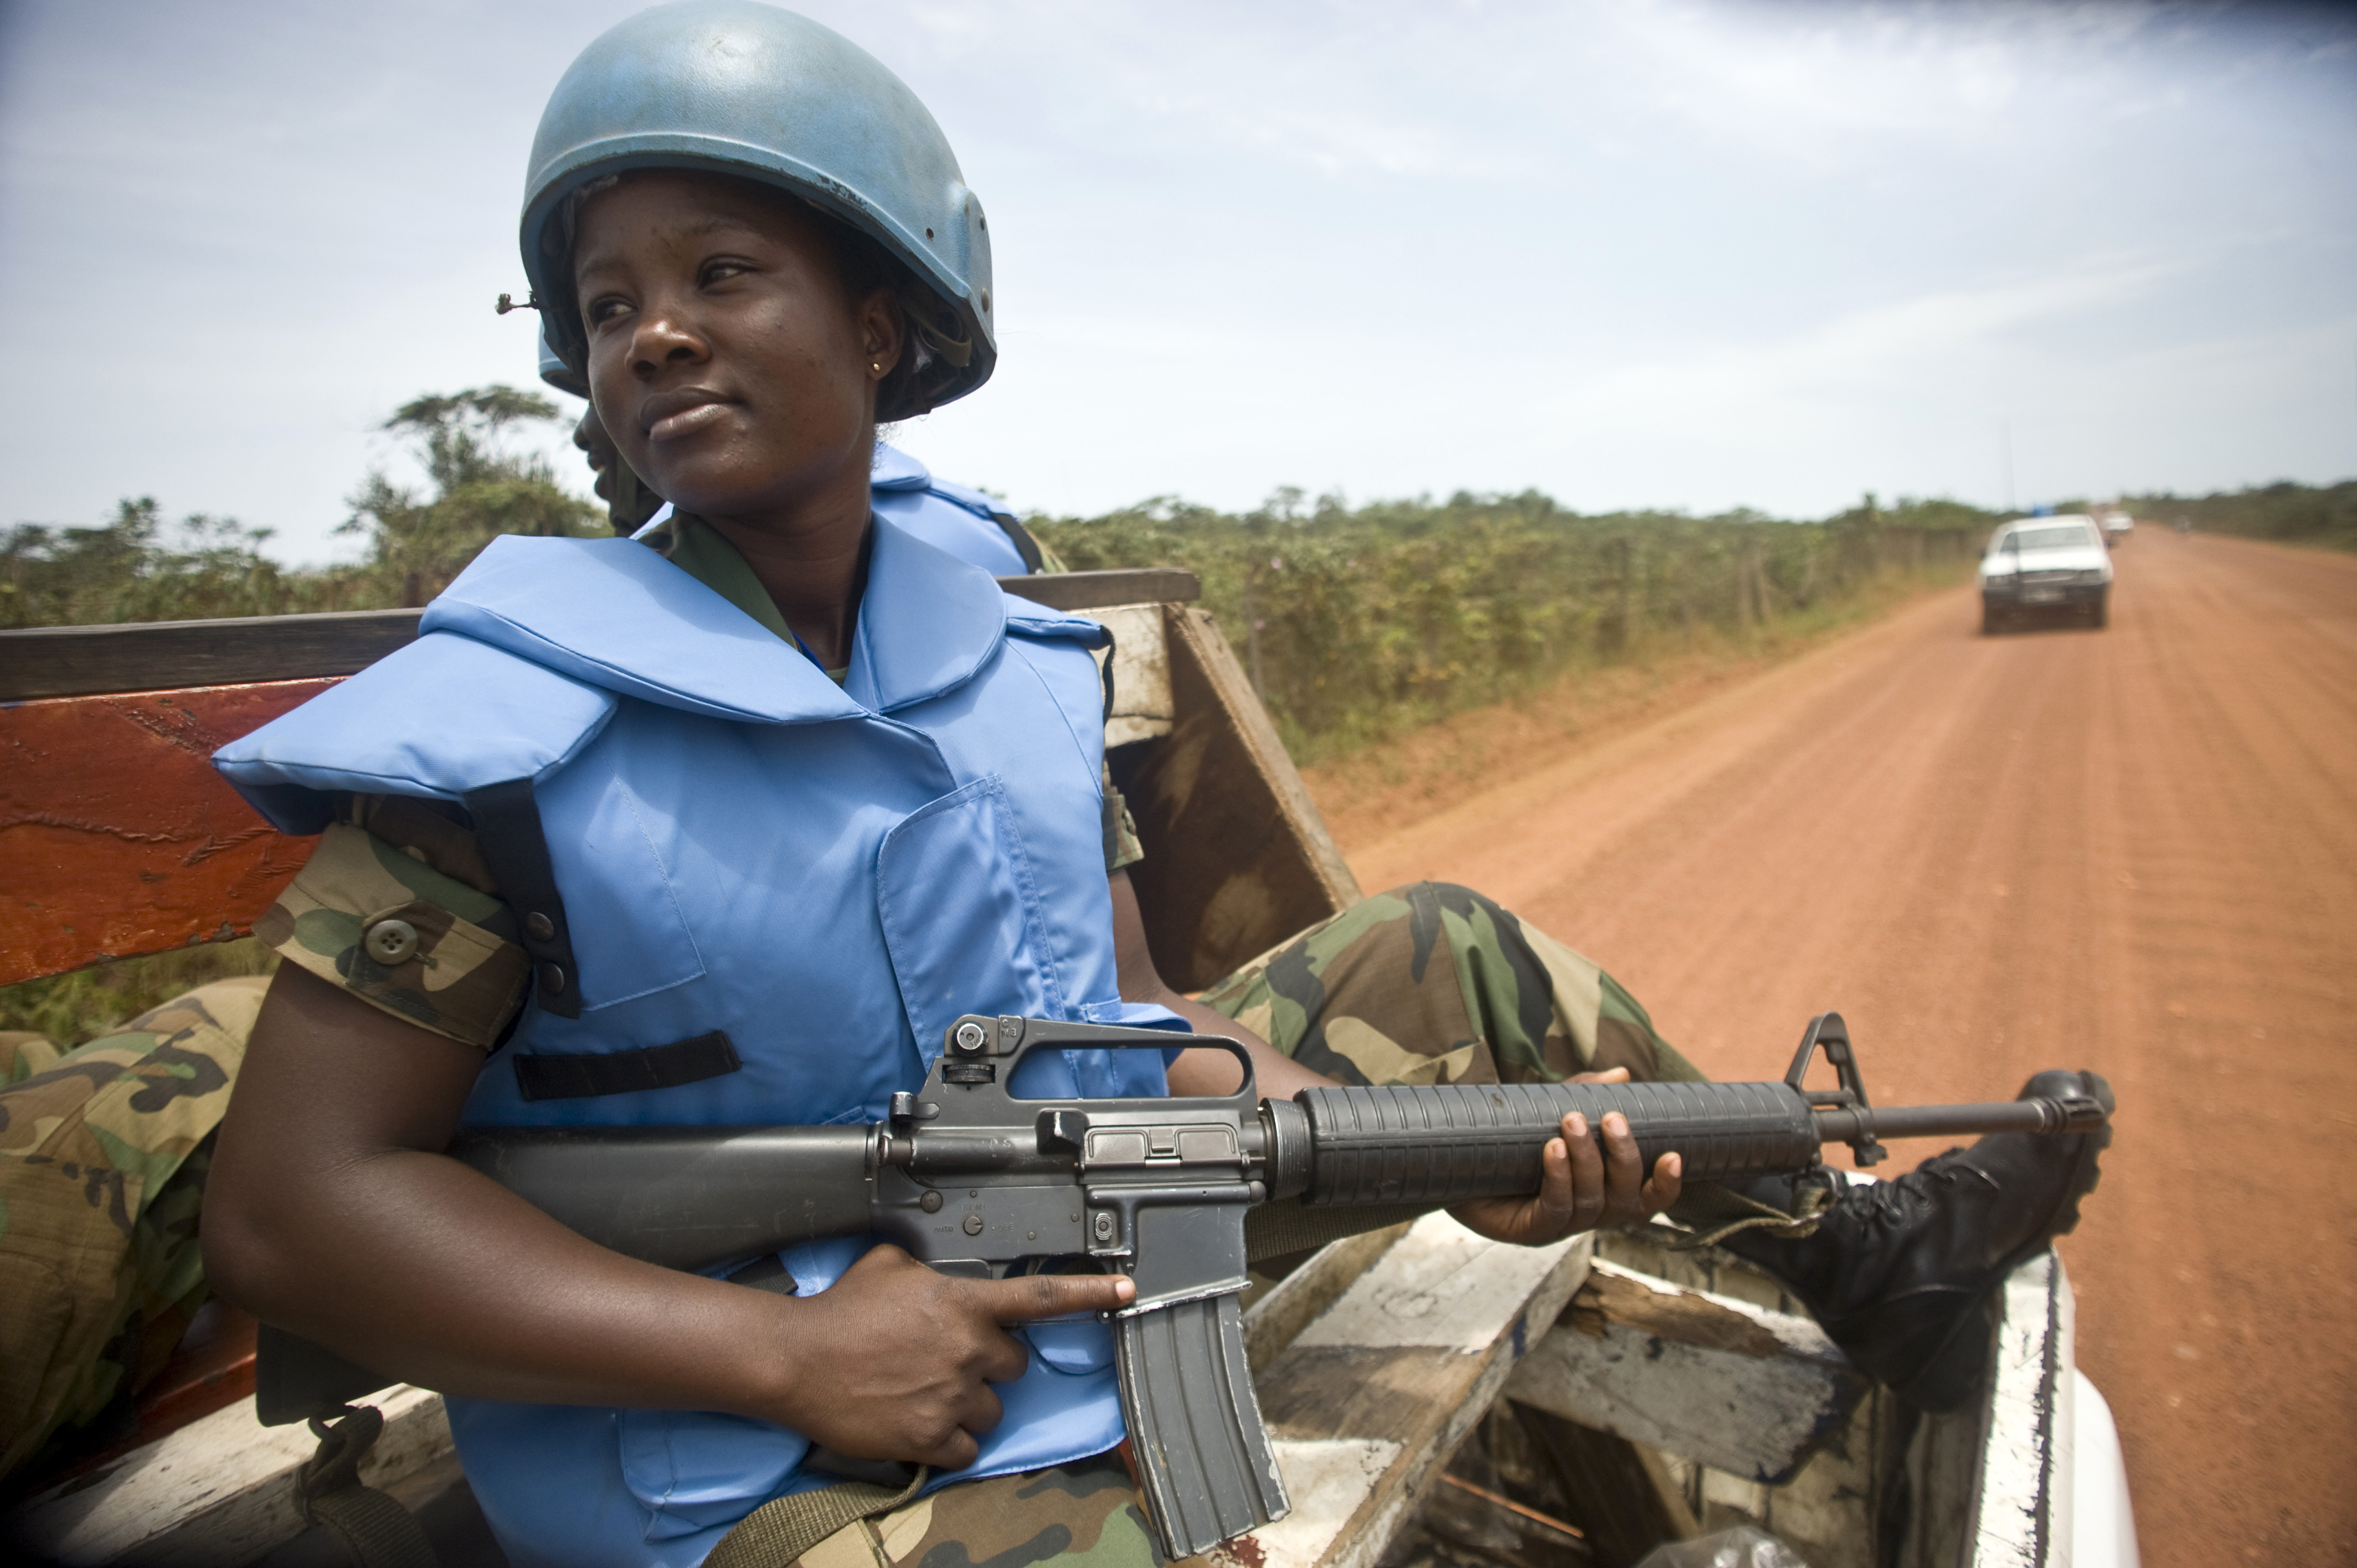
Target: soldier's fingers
[1609, 1074]
[980, 1410]
[1663, 1191]
[1556, 1195]
[1035, 1296]
[1001, 1360]
[1587, 1172]
[954, 1451]
[1624, 1171]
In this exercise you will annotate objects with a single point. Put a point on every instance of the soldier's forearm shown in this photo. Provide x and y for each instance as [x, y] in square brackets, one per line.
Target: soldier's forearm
[1214, 1072]
[1197, 1071]
[326, 1213]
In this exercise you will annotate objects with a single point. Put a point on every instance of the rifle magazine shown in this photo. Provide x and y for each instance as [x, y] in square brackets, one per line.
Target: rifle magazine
[1203, 1459]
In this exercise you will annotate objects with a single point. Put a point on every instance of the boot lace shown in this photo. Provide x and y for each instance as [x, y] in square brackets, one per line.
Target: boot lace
[1895, 1205]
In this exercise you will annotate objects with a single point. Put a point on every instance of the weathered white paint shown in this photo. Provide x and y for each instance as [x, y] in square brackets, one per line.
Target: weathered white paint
[1441, 1286]
[1451, 1312]
[1142, 707]
[2021, 1512]
[1744, 1391]
[218, 1491]
[1271, 1323]
[1328, 1481]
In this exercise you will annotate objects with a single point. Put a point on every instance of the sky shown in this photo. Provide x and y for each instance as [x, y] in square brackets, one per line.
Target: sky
[1679, 254]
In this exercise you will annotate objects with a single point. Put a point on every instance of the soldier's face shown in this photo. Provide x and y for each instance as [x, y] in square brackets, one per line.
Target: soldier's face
[590, 436]
[727, 361]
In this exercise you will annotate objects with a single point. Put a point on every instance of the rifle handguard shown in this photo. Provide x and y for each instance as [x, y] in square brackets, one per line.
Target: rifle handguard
[1448, 1143]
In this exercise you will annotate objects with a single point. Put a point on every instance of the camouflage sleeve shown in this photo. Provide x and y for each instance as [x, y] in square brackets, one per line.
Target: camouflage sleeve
[1122, 849]
[417, 931]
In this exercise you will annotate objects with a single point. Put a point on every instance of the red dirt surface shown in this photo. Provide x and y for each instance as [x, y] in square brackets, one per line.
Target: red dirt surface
[2131, 850]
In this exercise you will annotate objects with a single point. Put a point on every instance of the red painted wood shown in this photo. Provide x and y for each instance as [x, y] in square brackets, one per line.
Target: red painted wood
[116, 835]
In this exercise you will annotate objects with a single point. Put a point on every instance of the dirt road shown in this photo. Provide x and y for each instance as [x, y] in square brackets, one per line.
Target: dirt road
[2132, 849]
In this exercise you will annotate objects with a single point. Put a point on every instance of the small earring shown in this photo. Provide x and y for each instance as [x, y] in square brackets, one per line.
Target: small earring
[877, 365]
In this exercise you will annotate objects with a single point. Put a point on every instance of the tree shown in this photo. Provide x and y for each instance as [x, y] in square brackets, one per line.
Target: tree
[136, 567]
[481, 489]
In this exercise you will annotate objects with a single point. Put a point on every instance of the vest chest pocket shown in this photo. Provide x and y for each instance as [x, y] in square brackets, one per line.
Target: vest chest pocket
[630, 936]
[961, 914]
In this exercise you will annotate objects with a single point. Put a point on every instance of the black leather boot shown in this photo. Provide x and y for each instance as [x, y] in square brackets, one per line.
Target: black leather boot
[1900, 1272]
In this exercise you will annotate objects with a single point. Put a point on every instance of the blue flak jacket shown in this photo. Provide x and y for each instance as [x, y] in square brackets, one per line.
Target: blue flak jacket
[947, 516]
[830, 874]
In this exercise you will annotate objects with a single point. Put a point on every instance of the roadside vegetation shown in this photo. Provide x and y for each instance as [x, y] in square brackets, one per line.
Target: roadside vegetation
[1357, 624]
[2283, 511]
[138, 566]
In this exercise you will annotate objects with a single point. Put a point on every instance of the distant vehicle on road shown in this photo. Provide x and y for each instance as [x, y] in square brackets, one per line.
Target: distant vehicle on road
[2040, 564]
[2117, 526]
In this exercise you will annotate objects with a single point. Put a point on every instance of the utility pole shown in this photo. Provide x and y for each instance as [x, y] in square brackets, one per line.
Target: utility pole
[2005, 449]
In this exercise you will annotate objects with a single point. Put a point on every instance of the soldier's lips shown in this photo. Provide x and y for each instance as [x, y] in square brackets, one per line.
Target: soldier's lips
[696, 417]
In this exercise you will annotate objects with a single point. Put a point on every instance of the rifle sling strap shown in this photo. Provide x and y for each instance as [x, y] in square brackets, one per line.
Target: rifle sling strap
[780, 1531]
[1034, 559]
[375, 1531]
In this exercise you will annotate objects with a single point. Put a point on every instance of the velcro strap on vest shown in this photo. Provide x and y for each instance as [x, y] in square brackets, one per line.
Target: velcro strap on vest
[578, 1074]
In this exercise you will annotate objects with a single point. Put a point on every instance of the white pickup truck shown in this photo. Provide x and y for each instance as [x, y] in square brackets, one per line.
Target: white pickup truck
[2046, 564]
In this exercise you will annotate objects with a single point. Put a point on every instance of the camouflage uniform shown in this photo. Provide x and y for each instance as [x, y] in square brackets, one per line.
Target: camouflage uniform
[103, 1151]
[1434, 983]
[1085, 1512]
[395, 907]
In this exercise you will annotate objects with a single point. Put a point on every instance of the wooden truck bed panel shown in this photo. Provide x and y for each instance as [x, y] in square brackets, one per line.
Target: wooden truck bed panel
[116, 835]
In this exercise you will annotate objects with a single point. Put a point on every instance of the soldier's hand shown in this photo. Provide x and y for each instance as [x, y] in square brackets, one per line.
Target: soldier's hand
[1580, 1188]
[896, 1361]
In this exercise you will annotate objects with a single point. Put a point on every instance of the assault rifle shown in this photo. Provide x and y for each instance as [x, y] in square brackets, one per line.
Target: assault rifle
[1179, 1193]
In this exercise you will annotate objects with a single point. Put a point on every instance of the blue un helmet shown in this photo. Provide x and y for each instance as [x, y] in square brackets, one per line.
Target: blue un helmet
[736, 88]
[557, 372]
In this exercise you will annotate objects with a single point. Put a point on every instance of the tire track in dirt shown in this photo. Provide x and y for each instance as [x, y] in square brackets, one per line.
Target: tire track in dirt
[2134, 850]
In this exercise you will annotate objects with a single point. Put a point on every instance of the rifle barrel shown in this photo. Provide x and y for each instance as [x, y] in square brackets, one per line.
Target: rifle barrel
[1838, 1124]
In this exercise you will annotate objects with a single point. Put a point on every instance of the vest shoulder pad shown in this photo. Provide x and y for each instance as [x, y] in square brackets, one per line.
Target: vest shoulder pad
[1031, 619]
[443, 717]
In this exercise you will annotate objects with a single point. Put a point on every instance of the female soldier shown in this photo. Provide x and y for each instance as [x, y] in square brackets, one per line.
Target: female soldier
[745, 877]
[723, 835]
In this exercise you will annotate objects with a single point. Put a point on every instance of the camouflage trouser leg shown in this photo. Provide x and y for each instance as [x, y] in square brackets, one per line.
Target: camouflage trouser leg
[103, 1151]
[1085, 1512]
[1434, 984]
